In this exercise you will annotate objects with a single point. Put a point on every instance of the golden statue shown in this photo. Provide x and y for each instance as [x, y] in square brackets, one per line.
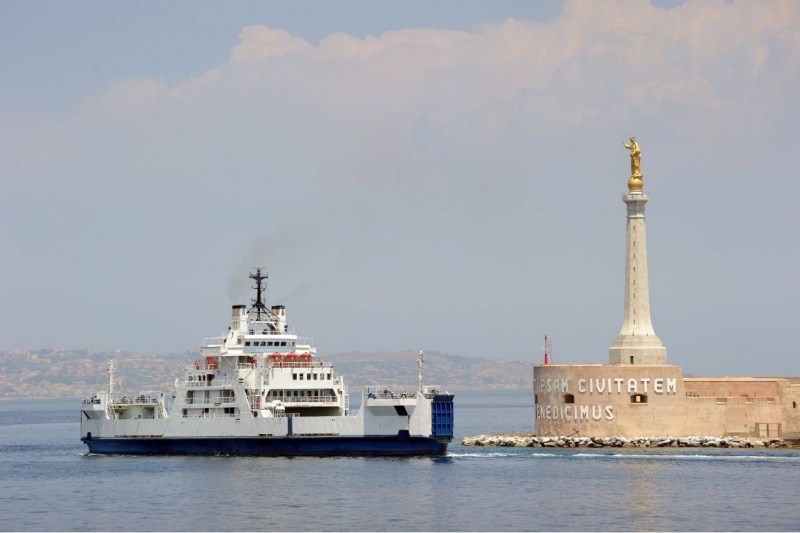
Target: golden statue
[635, 181]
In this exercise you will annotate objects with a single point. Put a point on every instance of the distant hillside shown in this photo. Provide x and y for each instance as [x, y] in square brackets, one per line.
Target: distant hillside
[54, 373]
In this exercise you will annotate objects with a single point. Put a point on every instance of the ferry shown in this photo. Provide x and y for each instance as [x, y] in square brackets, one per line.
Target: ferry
[260, 389]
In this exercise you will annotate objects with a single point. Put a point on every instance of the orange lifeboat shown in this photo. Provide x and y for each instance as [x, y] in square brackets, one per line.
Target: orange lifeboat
[305, 357]
[211, 363]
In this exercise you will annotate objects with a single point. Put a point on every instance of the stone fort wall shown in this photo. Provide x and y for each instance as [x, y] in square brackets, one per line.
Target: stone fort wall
[656, 400]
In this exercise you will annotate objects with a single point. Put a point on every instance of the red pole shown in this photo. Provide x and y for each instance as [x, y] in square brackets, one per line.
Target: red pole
[545, 350]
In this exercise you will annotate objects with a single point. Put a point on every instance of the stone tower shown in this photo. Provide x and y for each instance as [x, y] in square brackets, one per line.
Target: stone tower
[637, 343]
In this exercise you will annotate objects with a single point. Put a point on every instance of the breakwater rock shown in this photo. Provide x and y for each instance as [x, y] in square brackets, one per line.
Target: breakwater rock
[532, 441]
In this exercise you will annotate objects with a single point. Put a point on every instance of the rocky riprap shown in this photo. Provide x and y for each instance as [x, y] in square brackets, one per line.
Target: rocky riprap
[532, 441]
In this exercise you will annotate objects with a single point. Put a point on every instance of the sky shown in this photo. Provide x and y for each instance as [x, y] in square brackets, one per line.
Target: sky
[439, 175]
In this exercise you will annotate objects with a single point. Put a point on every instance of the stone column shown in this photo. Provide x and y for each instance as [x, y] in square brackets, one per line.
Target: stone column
[637, 343]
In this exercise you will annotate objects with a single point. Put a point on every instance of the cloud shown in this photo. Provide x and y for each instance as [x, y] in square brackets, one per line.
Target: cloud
[596, 63]
[259, 42]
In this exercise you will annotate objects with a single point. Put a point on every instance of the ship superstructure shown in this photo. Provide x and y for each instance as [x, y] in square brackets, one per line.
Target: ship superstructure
[260, 389]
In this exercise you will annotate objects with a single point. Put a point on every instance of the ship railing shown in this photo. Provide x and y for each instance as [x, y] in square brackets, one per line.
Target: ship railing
[212, 415]
[309, 399]
[216, 402]
[381, 392]
[198, 366]
[295, 364]
[429, 391]
[266, 327]
[213, 342]
[204, 384]
[142, 398]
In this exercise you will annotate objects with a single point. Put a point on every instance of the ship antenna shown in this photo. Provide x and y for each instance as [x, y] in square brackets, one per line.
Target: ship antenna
[258, 303]
[421, 365]
[110, 368]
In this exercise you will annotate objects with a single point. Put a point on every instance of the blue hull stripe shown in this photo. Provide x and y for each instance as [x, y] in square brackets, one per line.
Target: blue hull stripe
[292, 446]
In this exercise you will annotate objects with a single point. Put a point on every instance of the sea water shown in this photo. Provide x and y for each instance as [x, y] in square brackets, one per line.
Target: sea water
[49, 482]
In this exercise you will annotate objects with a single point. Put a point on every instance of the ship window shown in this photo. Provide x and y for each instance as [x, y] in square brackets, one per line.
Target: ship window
[315, 376]
[301, 376]
[308, 376]
[263, 343]
[329, 376]
[283, 343]
[269, 343]
[247, 343]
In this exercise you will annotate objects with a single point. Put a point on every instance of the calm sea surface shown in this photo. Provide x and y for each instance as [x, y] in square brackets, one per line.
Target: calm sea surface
[47, 482]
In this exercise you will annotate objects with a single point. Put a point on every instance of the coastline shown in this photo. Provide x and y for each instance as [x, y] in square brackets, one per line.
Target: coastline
[522, 440]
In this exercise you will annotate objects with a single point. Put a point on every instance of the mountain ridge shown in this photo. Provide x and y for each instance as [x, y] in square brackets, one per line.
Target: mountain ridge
[56, 372]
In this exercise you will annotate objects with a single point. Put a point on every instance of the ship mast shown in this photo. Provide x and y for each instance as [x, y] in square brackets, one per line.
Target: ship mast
[258, 303]
[110, 368]
[421, 365]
